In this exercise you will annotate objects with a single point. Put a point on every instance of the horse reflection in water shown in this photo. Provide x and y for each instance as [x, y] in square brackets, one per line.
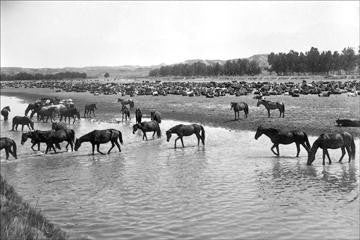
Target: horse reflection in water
[284, 137]
[150, 126]
[186, 130]
[98, 137]
[333, 141]
[7, 144]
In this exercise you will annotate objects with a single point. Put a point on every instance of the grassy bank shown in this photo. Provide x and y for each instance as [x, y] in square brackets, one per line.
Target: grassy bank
[21, 221]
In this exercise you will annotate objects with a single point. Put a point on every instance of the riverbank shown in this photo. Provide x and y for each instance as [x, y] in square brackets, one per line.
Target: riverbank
[308, 113]
[21, 221]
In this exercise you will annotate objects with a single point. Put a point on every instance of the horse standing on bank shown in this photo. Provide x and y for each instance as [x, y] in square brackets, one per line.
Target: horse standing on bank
[89, 108]
[69, 113]
[327, 141]
[284, 137]
[151, 126]
[242, 106]
[138, 115]
[7, 144]
[98, 137]
[5, 112]
[23, 121]
[129, 102]
[156, 116]
[186, 130]
[269, 105]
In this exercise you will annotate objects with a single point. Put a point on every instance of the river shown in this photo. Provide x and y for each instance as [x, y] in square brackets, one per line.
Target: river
[232, 188]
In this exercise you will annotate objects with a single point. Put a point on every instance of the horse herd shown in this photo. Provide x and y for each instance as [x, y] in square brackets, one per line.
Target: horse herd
[61, 133]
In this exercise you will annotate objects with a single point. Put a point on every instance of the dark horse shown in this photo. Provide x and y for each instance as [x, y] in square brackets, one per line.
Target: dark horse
[125, 112]
[32, 107]
[138, 115]
[7, 143]
[284, 137]
[186, 130]
[69, 113]
[37, 137]
[89, 108]
[98, 137]
[23, 121]
[269, 105]
[342, 140]
[58, 125]
[48, 113]
[156, 116]
[242, 106]
[5, 112]
[129, 102]
[145, 127]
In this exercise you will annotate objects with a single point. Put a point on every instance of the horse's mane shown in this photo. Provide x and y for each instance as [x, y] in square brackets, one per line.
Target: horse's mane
[272, 130]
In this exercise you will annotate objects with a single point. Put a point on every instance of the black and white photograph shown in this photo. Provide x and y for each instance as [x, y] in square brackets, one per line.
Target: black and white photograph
[192, 120]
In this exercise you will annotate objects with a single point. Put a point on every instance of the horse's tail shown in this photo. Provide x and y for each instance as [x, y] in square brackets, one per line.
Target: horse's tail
[120, 138]
[202, 134]
[246, 109]
[158, 131]
[307, 143]
[352, 155]
[14, 149]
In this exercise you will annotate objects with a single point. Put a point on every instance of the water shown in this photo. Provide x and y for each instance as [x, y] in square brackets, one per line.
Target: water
[232, 188]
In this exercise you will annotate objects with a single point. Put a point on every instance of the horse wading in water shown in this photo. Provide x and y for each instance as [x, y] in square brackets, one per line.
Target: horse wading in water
[7, 144]
[37, 137]
[125, 112]
[333, 141]
[156, 116]
[138, 115]
[151, 126]
[242, 106]
[89, 108]
[98, 137]
[269, 105]
[69, 113]
[23, 121]
[284, 137]
[186, 130]
[5, 112]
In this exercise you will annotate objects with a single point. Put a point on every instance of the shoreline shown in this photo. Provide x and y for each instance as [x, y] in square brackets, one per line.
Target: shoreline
[310, 114]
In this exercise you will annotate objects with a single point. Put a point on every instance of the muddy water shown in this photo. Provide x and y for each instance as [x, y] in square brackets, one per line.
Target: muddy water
[232, 188]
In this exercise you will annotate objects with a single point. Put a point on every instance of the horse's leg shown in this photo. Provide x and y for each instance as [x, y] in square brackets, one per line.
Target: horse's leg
[182, 142]
[22, 127]
[298, 149]
[272, 149]
[7, 153]
[348, 152]
[118, 145]
[327, 154]
[29, 127]
[38, 146]
[235, 114]
[198, 137]
[93, 148]
[323, 156]
[153, 134]
[342, 154]
[268, 113]
[176, 141]
[145, 136]
[98, 149]
[112, 146]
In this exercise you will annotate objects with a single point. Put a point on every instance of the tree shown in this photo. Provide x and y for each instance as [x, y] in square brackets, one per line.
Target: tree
[348, 59]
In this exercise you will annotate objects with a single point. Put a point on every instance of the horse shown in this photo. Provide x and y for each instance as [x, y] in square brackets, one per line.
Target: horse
[156, 116]
[151, 126]
[125, 112]
[348, 122]
[269, 105]
[37, 137]
[186, 130]
[5, 112]
[129, 102]
[69, 113]
[324, 94]
[23, 121]
[352, 94]
[48, 113]
[89, 108]
[138, 115]
[342, 140]
[7, 143]
[284, 137]
[32, 107]
[242, 106]
[98, 137]
[58, 125]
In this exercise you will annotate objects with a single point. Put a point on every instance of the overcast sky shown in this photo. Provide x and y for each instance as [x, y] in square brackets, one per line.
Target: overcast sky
[76, 34]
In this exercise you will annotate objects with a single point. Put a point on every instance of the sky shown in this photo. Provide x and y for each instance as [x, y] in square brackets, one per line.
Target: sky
[77, 34]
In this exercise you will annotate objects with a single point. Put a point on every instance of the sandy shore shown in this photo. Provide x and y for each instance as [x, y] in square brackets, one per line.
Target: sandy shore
[308, 113]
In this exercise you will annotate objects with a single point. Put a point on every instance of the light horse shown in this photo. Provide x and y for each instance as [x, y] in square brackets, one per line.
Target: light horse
[156, 116]
[138, 115]
[324, 94]
[151, 126]
[23, 121]
[186, 130]
[7, 144]
[5, 112]
[125, 112]
[129, 102]
[284, 137]
[269, 105]
[89, 108]
[242, 106]
[325, 141]
[98, 137]
[69, 113]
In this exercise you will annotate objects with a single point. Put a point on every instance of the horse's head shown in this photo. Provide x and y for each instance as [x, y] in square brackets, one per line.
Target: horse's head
[77, 144]
[259, 132]
[8, 108]
[311, 158]
[135, 128]
[95, 106]
[24, 137]
[259, 102]
[232, 105]
[168, 135]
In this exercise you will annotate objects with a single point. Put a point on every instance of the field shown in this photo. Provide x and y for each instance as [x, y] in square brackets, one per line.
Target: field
[309, 113]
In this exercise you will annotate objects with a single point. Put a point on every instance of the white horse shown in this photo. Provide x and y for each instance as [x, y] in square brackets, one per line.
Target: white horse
[353, 94]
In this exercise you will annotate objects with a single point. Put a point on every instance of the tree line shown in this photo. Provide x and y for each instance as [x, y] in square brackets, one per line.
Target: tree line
[229, 68]
[40, 76]
[313, 62]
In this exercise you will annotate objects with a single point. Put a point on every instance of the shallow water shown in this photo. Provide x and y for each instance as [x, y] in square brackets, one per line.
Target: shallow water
[232, 188]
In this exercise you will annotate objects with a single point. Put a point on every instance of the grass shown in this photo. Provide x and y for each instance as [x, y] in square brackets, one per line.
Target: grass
[19, 220]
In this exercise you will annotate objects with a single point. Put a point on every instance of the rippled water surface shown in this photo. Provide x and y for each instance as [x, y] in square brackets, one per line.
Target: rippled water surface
[233, 188]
